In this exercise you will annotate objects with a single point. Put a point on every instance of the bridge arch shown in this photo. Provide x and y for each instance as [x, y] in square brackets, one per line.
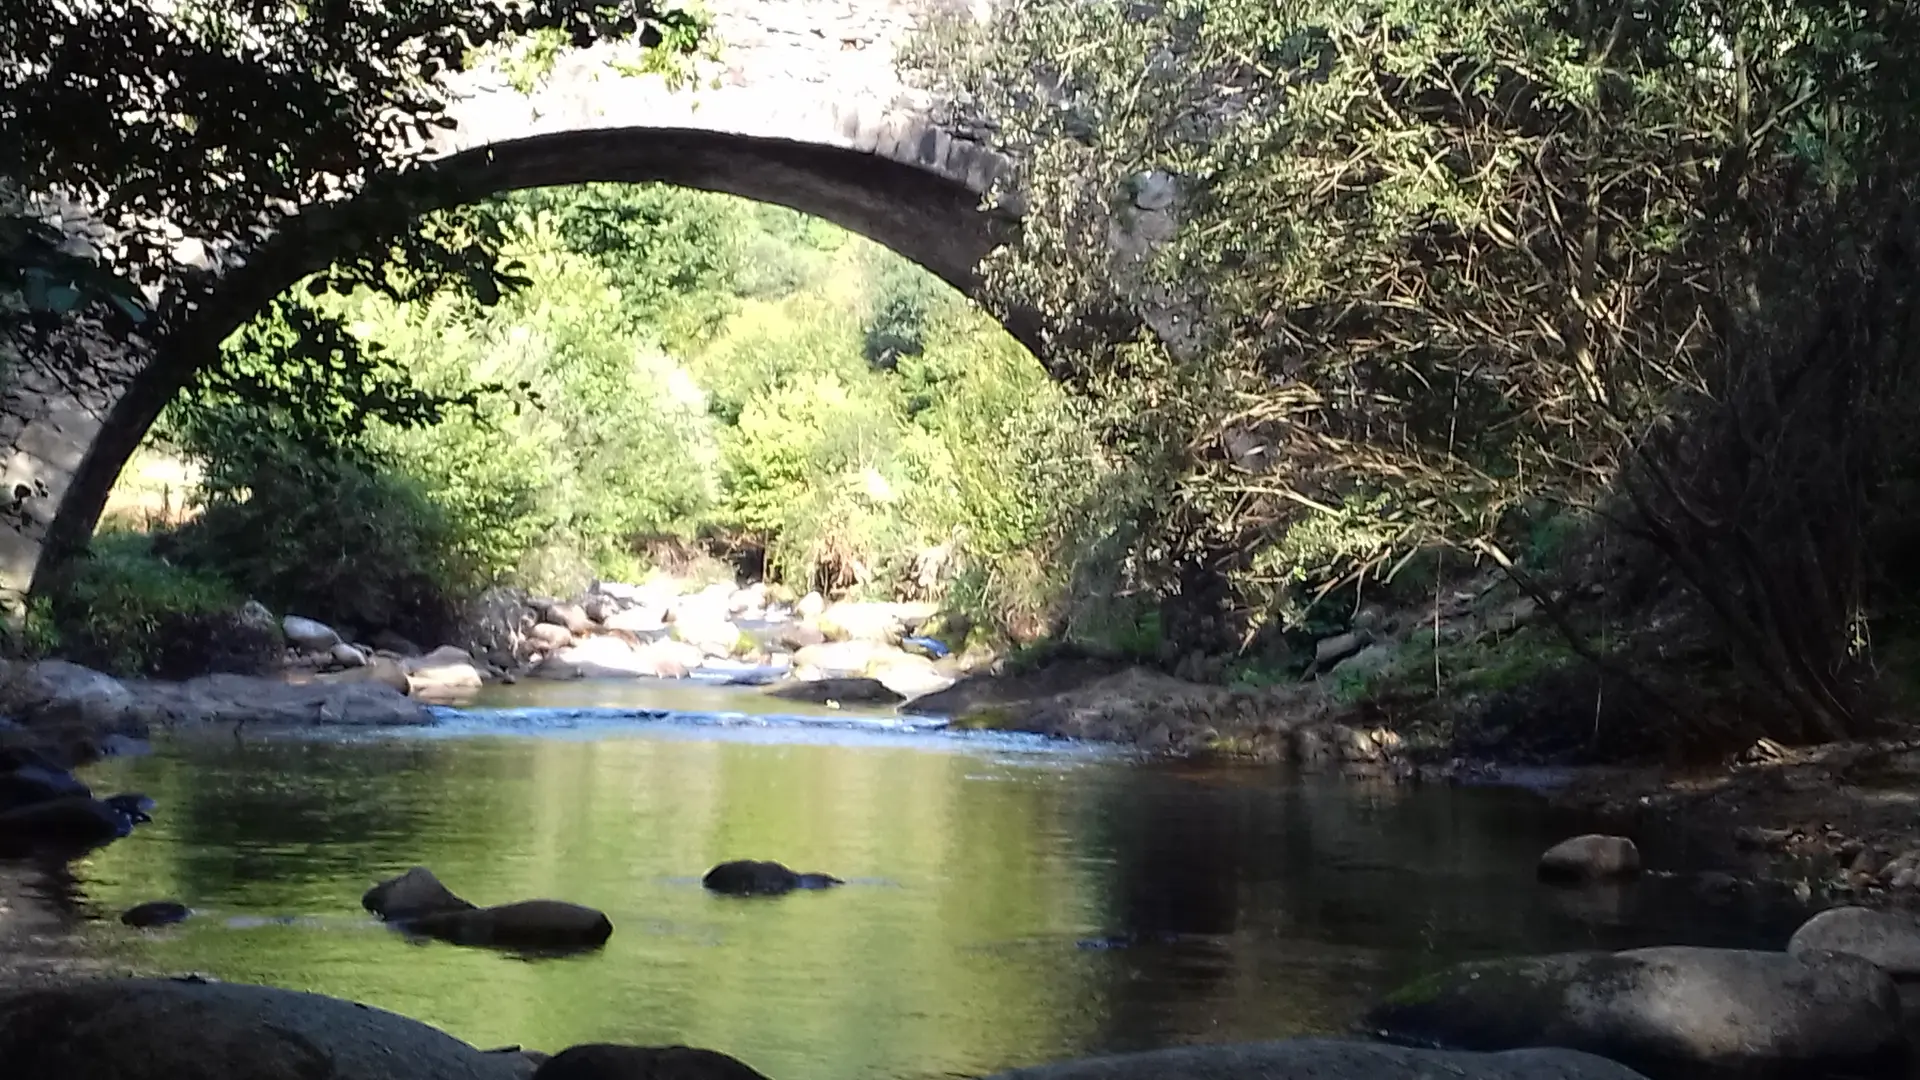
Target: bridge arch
[919, 195]
[805, 108]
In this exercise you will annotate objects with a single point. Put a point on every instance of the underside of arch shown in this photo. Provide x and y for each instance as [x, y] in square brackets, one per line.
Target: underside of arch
[928, 218]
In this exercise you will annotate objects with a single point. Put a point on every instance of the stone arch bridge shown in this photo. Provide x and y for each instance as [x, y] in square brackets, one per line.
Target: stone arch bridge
[805, 106]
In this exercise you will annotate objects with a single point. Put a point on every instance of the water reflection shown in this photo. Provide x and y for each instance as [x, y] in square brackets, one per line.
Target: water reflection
[1251, 904]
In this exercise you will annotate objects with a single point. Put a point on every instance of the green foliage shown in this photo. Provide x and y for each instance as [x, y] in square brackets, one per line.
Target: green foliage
[1472, 256]
[336, 539]
[121, 608]
[672, 369]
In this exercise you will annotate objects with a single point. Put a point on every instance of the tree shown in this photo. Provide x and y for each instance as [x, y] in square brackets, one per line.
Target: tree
[208, 121]
[1449, 258]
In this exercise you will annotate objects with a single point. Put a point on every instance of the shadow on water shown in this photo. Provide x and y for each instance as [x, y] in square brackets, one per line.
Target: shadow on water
[1007, 902]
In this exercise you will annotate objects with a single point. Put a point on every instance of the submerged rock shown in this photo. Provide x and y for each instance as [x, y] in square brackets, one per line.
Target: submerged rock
[607, 1061]
[1329, 1059]
[529, 924]
[749, 877]
[1888, 940]
[164, 1029]
[1590, 858]
[156, 913]
[1677, 1012]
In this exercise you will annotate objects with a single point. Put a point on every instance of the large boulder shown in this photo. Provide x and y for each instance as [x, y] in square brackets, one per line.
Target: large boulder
[851, 691]
[241, 699]
[548, 637]
[162, 1029]
[571, 616]
[382, 670]
[606, 1061]
[872, 621]
[1678, 1012]
[72, 824]
[843, 658]
[496, 622]
[1592, 857]
[309, 635]
[411, 895]
[1888, 940]
[613, 658]
[448, 673]
[752, 877]
[640, 620]
[418, 903]
[1329, 1059]
[58, 696]
[30, 783]
[529, 924]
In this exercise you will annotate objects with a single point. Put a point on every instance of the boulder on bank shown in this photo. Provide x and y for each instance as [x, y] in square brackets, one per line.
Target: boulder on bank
[529, 924]
[1592, 857]
[547, 637]
[851, 691]
[752, 877]
[58, 697]
[615, 658]
[165, 1029]
[1888, 940]
[381, 670]
[1671, 1012]
[309, 635]
[1329, 1059]
[448, 673]
[242, 699]
[607, 1061]
[571, 617]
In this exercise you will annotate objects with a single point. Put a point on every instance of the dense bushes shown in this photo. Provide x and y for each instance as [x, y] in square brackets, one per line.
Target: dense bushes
[125, 609]
[1438, 263]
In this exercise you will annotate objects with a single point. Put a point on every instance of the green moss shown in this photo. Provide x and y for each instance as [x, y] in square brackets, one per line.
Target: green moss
[1423, 990]
[985, 718]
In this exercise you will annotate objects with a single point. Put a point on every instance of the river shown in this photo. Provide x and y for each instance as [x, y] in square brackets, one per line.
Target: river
[1009, 900]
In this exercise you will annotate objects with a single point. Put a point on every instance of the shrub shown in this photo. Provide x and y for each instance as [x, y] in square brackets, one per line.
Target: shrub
[126, 610]
[340, 540]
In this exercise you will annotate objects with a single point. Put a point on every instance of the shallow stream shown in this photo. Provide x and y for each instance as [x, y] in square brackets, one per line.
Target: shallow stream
[1010, 900]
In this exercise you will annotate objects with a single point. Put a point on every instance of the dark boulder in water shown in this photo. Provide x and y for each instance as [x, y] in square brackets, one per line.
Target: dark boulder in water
[606, 1061]
[418, 903]
[411, 895]
[156, 913]
[171, 1029]
[72, 822]
[750, 877]
[25, 785]
[534, 925]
